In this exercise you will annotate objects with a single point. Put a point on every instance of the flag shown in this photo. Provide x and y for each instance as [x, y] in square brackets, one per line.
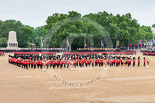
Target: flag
[140, 43]
[102, 43]
[85, 45]
[130, 43]
[151, 42]
[143, 43]
[117, 43]
[41, 42]
[136, 43]
[67, 43]
[148, 43]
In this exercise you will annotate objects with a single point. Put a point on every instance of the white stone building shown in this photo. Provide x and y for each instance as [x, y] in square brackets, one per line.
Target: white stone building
[12, 40]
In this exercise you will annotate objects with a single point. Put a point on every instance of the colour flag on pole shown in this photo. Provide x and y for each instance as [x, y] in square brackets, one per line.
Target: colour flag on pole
[102, 43]
[117, 43]
[151, 42]
[143, 43]
[148, 43]
[136, 43]
[140, 43]
[67, 43]
[130, 43]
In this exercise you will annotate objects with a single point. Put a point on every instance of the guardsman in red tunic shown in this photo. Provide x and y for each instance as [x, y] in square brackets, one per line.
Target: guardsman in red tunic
[86, 62]
[51, 62]
[41, 64]
[18, 62]
[89, 62]
[47, 63]
[68, 62]
[134, 61]
[74, 63]
[38, 63]
[96, 62]
[22, 63]
[77, 62]
[110, 62]
[117, 62]
[64, 62]
[99, 62]
[61, 63]
[58, 63]
[54, 64]
[114, 61]
[144, 61]
[83, 61]
[138, 61]
[121, 61]
[93, 62]
[129, 62]
[26, 64]
[80, 63]
[34, 64]
[31, 62]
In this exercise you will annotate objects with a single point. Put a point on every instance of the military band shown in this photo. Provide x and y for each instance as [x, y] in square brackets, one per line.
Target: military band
[75, 61]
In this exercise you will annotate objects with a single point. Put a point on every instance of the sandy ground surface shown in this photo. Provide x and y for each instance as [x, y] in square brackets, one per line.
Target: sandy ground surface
[116, 85]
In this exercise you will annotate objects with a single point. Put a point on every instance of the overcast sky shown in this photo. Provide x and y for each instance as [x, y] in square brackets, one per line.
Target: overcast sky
[35, 12]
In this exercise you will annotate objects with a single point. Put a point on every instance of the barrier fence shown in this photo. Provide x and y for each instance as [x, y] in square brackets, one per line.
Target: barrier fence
[81, 53]
[119, 53]
[30, 53]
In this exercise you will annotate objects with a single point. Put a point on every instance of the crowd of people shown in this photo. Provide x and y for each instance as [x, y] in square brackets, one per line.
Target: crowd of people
[6, 50]
[98, 49]
[75, 61]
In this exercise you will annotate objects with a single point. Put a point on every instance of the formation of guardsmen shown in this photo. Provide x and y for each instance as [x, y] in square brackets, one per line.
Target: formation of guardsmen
[2, 54]
[75, 61]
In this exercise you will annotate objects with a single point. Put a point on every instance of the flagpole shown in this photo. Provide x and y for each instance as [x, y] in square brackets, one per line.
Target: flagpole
[116, 43]
[101, 43]
[128, 45]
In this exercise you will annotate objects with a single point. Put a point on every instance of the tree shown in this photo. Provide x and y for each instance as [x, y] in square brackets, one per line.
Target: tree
[59, 26]
[39, 33]
[145, 33]
[24, 32]
[3, 42]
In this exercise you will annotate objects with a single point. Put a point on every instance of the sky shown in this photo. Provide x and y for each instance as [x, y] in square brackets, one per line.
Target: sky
[35, 12]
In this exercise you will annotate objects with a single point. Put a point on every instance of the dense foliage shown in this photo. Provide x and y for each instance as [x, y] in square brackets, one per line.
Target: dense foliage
[24, 32]
[59, 26]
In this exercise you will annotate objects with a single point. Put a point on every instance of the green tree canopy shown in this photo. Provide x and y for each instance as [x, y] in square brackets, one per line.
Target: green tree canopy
[58, 26]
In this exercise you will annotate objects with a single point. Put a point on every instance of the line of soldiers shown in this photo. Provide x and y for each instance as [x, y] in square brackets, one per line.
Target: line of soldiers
[2, 54]
[75, 61]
